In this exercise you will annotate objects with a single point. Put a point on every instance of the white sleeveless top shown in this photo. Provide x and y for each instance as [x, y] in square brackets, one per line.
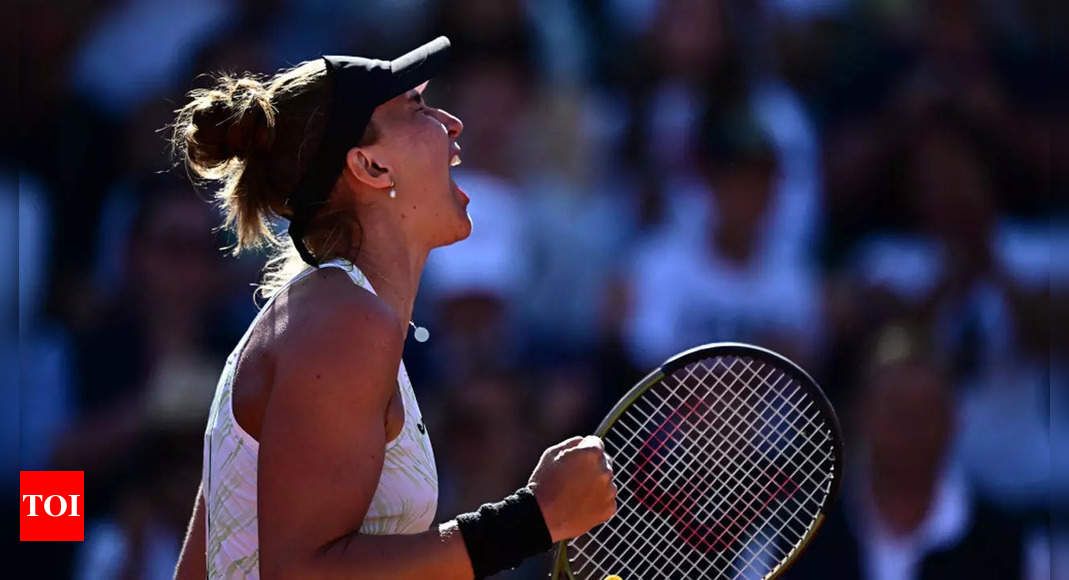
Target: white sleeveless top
[404, 501]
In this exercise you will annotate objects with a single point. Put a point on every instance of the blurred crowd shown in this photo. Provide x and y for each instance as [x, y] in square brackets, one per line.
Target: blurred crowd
[865, 186]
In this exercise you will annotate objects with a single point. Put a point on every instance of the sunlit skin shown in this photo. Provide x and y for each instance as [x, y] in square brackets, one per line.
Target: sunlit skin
[414, 151]
[415, 147]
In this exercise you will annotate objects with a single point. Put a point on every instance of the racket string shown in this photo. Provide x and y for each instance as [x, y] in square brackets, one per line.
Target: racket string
[798, 449]
[664, 521]
[810, 422]
[734, 410]
[784, 523]
[731, 491]
[739, 497]
[656, 530]
[738, 482]
[674, 390]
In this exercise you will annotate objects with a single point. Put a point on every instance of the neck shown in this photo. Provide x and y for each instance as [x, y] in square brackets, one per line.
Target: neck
[736, 247]
[392, 264]
[904, 505]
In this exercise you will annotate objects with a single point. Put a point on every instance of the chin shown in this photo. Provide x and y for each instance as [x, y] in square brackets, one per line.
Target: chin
[464, 229]
[459, 232]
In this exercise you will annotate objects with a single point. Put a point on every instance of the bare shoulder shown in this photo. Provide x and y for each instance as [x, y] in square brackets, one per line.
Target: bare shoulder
[328, 301]
[321, 331]
[337, 331]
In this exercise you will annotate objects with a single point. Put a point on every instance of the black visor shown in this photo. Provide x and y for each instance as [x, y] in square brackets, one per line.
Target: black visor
[359, 85]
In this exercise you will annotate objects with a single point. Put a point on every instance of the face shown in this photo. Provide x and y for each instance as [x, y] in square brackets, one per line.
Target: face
[690, 36]
[416, 148]
[174, 259]
[908, 419]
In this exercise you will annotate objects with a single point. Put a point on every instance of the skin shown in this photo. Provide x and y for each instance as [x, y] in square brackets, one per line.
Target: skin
[323, 400]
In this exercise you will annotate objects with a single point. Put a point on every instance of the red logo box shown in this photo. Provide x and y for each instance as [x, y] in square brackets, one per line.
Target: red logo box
[52, 506]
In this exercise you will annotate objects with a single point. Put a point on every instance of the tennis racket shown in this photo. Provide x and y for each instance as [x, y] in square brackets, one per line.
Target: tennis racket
[725, 459]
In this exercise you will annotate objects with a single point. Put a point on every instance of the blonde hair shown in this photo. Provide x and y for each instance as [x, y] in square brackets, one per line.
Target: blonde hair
[256, 136]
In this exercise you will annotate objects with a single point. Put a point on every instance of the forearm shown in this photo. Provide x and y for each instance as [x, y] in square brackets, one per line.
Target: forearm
[437, 553]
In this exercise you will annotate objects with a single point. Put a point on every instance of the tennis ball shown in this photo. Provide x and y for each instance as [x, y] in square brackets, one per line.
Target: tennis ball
[613, 577]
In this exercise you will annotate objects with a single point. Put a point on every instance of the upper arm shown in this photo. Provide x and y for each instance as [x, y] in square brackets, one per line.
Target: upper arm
[323, 435]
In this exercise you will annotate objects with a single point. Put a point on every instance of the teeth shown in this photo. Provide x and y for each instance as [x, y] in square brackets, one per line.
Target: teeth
[455, 160]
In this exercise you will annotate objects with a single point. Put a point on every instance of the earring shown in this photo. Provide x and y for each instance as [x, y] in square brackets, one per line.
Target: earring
[393, 191]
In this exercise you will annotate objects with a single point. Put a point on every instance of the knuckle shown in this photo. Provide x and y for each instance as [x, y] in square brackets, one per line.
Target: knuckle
[570, 452]
[569, 441]
[593, 442]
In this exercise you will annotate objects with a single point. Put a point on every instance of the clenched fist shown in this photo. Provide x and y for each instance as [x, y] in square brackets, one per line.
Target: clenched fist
[573, 486]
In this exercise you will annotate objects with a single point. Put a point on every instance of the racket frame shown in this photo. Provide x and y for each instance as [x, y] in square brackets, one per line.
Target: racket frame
[561, 566]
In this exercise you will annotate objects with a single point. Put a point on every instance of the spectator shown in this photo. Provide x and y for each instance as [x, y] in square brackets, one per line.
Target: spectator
[948, 271]
[906, 511]
[724, 281]
[143, 536]
[474, 284]
[154, 359]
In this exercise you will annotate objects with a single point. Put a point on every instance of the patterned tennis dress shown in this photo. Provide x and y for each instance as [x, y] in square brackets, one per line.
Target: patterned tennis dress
[404, 501]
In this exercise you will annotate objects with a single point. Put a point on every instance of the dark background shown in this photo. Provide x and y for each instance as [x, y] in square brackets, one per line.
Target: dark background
[866, 186]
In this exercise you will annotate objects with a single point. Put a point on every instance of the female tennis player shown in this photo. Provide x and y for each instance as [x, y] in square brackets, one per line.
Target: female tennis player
[316, 462]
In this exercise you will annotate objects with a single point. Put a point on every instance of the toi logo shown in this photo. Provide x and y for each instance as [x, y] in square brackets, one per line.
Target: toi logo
[52, 506]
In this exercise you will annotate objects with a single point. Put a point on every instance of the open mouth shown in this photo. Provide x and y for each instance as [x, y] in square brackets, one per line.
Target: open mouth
[455, 161]
[454, 154]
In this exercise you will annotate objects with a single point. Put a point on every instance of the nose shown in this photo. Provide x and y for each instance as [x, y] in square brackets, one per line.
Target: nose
[452, 124]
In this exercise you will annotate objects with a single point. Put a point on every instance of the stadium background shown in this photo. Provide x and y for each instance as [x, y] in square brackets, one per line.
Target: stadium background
[865, 186]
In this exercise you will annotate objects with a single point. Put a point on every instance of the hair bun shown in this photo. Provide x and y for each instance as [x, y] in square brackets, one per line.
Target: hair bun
[233, 120]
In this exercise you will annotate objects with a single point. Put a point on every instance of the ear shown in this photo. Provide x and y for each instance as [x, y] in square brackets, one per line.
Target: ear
[366, 169]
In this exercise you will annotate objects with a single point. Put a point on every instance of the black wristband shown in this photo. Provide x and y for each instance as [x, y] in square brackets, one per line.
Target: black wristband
[500, 535]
